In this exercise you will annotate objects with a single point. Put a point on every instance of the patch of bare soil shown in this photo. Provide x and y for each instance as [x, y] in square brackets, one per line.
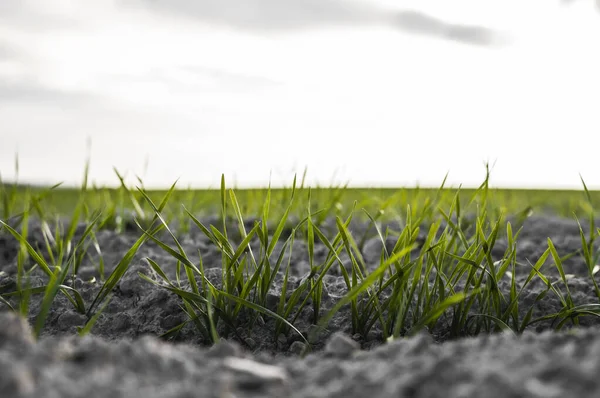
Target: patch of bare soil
[123, 357]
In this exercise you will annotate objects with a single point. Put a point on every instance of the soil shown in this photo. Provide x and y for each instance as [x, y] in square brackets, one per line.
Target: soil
[123, 356]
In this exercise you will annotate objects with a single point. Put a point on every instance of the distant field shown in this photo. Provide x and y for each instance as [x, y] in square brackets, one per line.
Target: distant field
[393, 202]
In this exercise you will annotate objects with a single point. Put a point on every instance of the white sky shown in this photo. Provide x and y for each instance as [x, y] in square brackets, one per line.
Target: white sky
[359, 101]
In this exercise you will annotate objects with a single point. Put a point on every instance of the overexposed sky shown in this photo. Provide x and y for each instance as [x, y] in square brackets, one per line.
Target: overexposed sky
[377, 93]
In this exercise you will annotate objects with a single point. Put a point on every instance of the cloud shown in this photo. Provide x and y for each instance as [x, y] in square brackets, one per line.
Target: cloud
[22, 83]
[419, 23]
[568, 2]
[32, 15]
[7, 52]
[230, 78]
[30, 92]
[268, 15]
[10, 8]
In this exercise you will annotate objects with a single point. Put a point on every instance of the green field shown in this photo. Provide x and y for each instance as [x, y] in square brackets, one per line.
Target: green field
[392, 203]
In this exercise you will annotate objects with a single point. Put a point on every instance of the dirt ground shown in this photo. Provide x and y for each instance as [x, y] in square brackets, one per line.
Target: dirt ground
[123, 357]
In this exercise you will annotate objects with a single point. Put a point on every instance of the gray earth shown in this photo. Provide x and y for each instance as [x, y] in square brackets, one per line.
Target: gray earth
[123, 356]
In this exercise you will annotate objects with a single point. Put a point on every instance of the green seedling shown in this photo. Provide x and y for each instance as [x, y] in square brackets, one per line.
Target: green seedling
[439, 272]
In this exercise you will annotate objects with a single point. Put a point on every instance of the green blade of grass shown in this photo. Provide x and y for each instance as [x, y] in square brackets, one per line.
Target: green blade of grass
[282, 222]
[435, 312]
[568, 301]
[263, 310]
[363, 286]
[54, 284]
[89, 325]
[118, 272]
[39, 260]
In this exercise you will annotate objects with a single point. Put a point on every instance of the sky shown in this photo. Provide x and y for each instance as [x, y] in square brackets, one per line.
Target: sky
[380, 93]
